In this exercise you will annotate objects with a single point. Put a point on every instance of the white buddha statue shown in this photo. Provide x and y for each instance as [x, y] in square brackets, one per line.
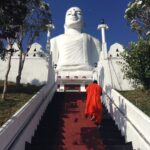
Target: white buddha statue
[74, 50]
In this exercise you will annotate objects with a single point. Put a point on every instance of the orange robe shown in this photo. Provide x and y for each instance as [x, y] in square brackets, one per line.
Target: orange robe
[93, 104]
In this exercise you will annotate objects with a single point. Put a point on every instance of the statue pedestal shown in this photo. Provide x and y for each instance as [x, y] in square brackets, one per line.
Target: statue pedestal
[75, 74]
[73, 79]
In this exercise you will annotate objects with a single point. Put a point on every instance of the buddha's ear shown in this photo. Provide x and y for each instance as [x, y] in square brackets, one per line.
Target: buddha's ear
[65, 29]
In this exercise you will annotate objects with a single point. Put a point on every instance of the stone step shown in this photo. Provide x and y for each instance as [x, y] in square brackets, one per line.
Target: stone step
[127, 146]
[113, 141]
[47, 140]
[113, 136]
[62, 147]
[43, 147]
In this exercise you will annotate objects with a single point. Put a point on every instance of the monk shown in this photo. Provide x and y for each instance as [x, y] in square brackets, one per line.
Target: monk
[93, 106]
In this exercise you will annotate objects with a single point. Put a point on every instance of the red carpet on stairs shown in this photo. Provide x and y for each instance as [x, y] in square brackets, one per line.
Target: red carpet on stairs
[64, 127]
[78, 132]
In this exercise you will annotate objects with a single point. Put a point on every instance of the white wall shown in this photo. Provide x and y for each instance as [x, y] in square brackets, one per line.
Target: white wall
[35, 69]
[111, 72]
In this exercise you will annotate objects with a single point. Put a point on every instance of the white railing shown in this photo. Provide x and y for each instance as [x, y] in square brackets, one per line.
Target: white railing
[21, 126]
[133, 123]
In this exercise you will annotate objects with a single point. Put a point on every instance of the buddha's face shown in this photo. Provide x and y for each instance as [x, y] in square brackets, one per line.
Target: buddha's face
[73, 17]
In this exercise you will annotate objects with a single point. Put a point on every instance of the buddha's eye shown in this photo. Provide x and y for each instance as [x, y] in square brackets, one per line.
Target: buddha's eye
[79, 13]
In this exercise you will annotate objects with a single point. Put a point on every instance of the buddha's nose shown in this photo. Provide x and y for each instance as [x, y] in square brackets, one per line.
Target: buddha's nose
[74, 12]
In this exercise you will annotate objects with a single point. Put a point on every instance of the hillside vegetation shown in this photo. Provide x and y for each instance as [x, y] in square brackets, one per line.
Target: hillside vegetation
[16, 97]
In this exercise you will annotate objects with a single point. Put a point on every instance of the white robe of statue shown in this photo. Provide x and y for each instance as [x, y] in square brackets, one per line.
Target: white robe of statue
[74, 50]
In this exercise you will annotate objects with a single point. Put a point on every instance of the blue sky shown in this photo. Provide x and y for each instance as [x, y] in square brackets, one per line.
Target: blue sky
[112, 11]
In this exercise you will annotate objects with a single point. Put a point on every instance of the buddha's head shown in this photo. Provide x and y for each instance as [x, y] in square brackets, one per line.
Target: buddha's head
[74, 18]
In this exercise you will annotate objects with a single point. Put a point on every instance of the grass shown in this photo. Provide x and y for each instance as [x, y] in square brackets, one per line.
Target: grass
[16, 97]
[140, 98]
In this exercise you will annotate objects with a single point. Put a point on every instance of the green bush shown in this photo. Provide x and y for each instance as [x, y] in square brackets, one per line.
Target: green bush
[137, 66]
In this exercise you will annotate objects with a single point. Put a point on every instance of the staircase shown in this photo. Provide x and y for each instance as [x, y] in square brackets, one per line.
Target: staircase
[64, 127]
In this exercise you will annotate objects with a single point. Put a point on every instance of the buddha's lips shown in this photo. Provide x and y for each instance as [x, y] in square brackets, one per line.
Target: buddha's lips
[74, 18]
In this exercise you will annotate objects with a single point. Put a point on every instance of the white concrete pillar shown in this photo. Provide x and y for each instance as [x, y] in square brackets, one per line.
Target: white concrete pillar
[51, 72]
[103, 67]
[50, 27]
[102, 27]
[103, 35]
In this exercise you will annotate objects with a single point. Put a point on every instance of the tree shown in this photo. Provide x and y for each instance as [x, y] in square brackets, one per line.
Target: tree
[138, 16]
[137, 54]
[137, 66]
[12, 14]
[34, 24]
[14, 23]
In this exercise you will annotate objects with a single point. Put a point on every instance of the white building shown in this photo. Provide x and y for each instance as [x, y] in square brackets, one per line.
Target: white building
[35, 70]
[115, 62]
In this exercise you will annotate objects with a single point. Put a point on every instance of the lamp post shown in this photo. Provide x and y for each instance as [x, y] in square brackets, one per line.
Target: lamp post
[103, 27]
[52, 75]
[50, 27]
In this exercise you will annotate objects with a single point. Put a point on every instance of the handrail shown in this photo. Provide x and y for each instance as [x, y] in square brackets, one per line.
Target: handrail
[133, 123]
[144, 138]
